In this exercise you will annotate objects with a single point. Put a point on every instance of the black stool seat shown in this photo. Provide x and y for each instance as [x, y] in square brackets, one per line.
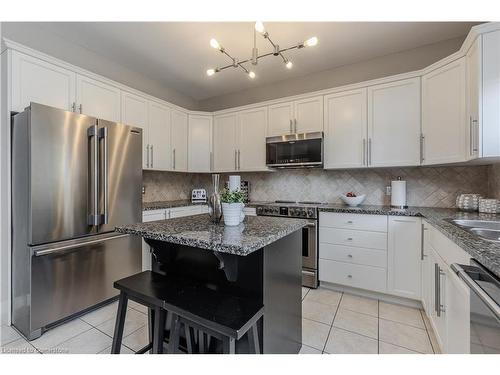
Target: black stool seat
[194, 303]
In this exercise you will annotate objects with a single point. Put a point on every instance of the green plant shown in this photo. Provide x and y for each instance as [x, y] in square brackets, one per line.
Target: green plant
[231, 196]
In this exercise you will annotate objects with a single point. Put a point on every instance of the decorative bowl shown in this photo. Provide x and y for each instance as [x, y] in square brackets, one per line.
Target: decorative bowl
[353, 201]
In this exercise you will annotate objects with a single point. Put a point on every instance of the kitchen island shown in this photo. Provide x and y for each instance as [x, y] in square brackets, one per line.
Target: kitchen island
[260, 259]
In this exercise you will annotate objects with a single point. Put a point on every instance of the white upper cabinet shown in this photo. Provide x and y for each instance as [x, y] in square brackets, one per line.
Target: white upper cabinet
[252, 139]
[280, 119]
[443, 114]
[135, 113]
[308, 115]
[179, 141]
[159, 136]
[225, 143]
[300, 116]
[394, 124]
[97, 99]
[200, 143]
[404, 257]
[473, 83]
[345, 129]
[34, 80]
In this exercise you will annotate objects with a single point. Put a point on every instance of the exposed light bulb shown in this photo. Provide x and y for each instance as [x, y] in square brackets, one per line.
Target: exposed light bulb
[311, 42]
[214, 43]
[251, 74]
[210, 72]
[289, 64]
[259, 27]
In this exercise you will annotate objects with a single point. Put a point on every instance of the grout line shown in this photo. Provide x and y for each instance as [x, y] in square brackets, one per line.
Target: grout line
[333, 320]
[427, 331]
[404, 347]
[408, 325]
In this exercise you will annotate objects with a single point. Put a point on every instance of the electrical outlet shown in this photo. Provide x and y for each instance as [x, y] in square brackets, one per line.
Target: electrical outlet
[387, 190]
[143, 190]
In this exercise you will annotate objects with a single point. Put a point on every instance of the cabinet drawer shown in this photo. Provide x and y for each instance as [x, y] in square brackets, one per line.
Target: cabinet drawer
[356, 255]
[355, 275]
[356, 238]
[375, 223]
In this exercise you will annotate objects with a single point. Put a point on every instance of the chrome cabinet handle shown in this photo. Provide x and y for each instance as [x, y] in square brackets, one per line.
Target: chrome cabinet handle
[349, 221]
[80, 107]
[239, 160]
[147, 156]
[422, 150]
[104, 136]
[93, 218]
[369, 151]
[475, 133]
[349, 255]
[349, 239]
[173, 159]
[235, 160]
[295, 125]
[152, 159]
[437, 287]
[291, 131]
[364, 152]
[349, 276]
[211, 160]
[73, 107]
[422, 240]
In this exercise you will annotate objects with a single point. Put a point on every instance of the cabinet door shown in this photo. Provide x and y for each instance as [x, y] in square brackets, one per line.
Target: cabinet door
[394, 123]
[404, 251]
[457, 315]
[443, 114]
[308, 115]
[225, 133]
[200, 143]
[34, 80]
[473, 91]
[280, 119]
[135, 113]
[179, 141]
[252, 140]
[97, 99]
[345, 129]
[438, 283]
[148, 216]
[159, 136]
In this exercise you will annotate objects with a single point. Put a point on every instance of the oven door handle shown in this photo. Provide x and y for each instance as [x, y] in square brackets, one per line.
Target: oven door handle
[482, 295]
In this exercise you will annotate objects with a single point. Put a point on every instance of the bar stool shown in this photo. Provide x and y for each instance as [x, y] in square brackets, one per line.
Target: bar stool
[205, 313]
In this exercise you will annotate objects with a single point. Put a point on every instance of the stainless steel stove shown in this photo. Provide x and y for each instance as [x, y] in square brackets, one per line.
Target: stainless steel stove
[300, 210]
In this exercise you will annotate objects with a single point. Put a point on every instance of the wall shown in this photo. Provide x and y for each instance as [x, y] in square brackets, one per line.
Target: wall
[396, 63]
[43, 40]
[427, 186]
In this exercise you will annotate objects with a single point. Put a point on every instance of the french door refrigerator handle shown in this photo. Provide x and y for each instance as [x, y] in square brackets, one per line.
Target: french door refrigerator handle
[103, 134]
[58, 249]
[93, 218]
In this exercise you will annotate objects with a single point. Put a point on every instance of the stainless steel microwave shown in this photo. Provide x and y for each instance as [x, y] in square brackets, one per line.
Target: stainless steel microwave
[295, 150]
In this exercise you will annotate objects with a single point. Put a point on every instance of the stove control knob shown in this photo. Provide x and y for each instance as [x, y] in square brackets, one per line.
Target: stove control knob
[310, 213]
[303, 213]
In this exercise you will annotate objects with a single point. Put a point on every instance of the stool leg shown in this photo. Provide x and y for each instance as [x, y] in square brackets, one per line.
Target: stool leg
[189, 338]
[159, 330]
[253, 339]
[119, 324]
[228, 345]
[173, 343]
[201, 341]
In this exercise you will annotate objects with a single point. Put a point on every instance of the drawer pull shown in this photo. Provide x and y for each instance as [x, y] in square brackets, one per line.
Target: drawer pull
[349, 276]
[349, 239]
[349, 221]
[350, 256]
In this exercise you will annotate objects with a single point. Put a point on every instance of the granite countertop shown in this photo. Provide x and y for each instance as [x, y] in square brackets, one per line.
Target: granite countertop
[198, 231]
[486, 252]
[159, 205]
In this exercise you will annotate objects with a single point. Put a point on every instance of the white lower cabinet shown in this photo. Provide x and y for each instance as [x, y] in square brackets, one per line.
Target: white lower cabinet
[404, 257]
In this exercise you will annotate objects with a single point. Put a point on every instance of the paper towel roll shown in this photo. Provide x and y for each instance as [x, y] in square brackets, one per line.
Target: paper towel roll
[234, 183]
[398, 194]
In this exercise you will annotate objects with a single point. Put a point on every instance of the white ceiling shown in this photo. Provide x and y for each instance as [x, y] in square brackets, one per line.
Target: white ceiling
[177, 54]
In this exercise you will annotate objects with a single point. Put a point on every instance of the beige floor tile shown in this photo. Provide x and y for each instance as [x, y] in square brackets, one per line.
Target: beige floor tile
[356, 322]
[386, 348]
[60, 334]
[345, 342]
[404, 335]
[19, 346]
[8, 334]
[359, 304]
[430, 333]
[322, 295]
[137, 306]
[401, 314]
[318, 312]
[308, 350]
[133, 321]
[137, 340]
[123, 350]
[90, 342]
[488, 336]
[101, 315]
[314, 334]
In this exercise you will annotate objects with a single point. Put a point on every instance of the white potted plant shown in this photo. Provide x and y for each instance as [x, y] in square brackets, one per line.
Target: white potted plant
[232, 207]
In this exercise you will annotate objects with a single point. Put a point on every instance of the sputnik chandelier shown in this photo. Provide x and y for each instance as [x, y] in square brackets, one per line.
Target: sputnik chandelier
[259, 28]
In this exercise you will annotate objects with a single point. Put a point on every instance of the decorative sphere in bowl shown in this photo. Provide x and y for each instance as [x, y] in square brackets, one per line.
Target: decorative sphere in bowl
[353, 201]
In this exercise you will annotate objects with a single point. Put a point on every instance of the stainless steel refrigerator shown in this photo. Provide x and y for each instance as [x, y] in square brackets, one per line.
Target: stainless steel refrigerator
[74, 178]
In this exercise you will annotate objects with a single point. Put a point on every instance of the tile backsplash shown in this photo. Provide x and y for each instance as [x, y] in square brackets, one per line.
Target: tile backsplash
[494, 181]
[426, 186]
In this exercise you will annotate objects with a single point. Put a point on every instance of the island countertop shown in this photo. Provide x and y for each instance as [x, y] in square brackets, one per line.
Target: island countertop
[198, 231]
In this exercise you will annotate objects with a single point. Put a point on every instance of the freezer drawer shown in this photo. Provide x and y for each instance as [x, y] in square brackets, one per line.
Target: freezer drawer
[69, 278]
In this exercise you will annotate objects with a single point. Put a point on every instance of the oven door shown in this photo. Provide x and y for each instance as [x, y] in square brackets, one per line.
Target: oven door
[295, 150]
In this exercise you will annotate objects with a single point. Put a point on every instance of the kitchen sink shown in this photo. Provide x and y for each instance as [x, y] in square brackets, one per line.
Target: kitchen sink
[487, 230]
[487, 234]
